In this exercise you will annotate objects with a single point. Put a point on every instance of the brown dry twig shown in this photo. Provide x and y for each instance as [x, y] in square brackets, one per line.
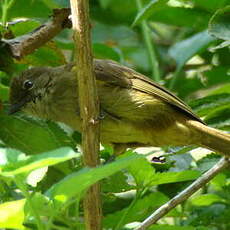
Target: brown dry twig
[26, 44]
[184, 195]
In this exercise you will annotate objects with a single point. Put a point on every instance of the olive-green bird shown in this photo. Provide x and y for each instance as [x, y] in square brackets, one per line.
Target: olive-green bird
[135, 111]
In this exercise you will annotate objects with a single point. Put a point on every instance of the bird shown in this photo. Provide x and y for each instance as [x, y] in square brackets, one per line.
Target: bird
[134, 110]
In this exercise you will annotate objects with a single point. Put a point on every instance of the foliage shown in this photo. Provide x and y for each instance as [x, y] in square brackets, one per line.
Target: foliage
[42, 178]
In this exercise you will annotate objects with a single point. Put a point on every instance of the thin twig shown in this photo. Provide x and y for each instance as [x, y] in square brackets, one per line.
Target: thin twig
[89, 106]
[26, 44]
[185, 194]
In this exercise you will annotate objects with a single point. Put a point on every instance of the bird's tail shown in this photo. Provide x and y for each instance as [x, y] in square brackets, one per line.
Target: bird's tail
[211, 138]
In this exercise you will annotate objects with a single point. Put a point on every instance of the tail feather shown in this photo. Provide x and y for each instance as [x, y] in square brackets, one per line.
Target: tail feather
[211, 138]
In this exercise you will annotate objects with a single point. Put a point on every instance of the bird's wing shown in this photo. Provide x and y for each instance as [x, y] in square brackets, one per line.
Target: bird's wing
[111, 72]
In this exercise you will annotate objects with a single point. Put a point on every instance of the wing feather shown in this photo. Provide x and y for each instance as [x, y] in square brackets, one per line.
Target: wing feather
[113, 73]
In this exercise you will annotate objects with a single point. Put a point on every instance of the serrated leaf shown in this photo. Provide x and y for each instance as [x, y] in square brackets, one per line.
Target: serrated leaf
[219, 25]
[116, 183]
[219, 117]
[74, 184]
[32, 136]
[148, 10]
[207, 162]
[20, 163]
[143, 207]
[182, 51]
[143, 172]
[207, 104]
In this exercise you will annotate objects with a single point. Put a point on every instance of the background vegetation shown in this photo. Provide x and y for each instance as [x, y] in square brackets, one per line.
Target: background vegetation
[184, 45]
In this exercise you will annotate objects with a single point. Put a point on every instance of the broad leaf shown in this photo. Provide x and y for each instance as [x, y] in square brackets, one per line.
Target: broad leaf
[32, 136]
[74, 184]
[173, 177]
[12, 214]
[13, 162]
[148, 10]
[143, 207]
[182, 51]
[206, 200]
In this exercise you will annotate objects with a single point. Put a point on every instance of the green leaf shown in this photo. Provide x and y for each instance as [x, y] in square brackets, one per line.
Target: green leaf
[114, 36]
[74, 184]
[41, 203]
[4, 92]
[116, 183]
[48, 55]
[188, 85]
[206, 200]
[13, 162]
[105, 52]
[182, 51]
[28, 8]
[210, 5]
[143, 172]
[192, 18]
[105, 3]
[24, 26]
[12, 214]
[143, 207]
[171, 227]
[206, 105]
[220, 117]
[148, 10]
[219, 25]
[173, 177]
[51, 4]
[207, 162]
[32, 136]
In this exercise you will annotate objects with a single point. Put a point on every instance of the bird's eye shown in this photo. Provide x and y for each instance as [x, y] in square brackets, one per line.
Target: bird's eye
[28, 84]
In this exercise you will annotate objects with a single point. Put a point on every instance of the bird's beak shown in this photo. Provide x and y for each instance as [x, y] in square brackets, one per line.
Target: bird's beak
[17, 106]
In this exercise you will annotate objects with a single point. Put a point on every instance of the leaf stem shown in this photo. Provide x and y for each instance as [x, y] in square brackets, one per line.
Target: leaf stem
[6, 5]
[150, 47]
[122, 220]
[19, 182]
[174, 78]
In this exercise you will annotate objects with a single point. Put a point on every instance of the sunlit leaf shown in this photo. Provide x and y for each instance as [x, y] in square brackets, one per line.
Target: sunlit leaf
[13, 162]
[12, 214]
[75, 183]
[206, 199]
[172, 177]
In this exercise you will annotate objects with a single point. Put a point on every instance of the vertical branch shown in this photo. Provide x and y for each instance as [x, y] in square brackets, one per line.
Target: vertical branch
[89, 106]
